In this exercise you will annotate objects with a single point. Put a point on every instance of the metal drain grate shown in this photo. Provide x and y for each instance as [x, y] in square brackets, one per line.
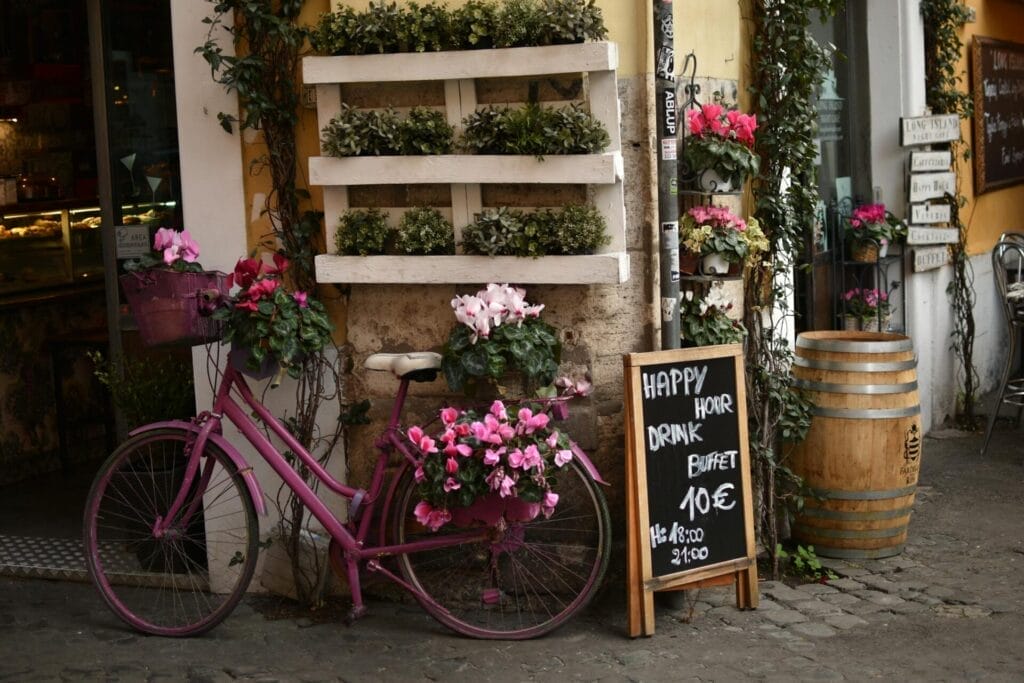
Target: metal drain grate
[42, 558]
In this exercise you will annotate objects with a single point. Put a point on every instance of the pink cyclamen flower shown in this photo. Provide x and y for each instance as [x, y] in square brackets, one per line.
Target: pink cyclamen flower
[164, 238]
[547, 505]
[508, 485]
[529, 423]
[189, 247]
[563, 457]
[449, 416]
[451, 484]
[493, 456]
[302, 299]
[422, 512]
[419, 475]
[498, 410]
[451, 466]
[532, 459]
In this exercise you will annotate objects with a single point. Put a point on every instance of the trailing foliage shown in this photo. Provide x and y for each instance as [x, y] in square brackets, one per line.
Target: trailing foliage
[508, 232]
[423, 230]
[535, 130]
[362, 232]
[386, 27]
[788, 66]
[944, 21]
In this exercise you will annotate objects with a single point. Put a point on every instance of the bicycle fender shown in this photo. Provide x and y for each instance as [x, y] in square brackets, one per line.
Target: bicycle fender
[589, 466]
[248, 476]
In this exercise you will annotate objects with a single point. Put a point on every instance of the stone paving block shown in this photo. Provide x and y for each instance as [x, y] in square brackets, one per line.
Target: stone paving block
[846, 584]
[785, 616]
[851, 572]
[816, 607]
[880, 598]
[816, 588]
[878, 582]
[841, 599]
[813, 629]
[835, 564]
[766, 604]
[941, 592]
[844, 621]
[910, 585]
[927, 599]
[781, 592]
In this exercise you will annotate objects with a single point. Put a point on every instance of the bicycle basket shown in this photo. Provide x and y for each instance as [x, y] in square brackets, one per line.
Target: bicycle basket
[164, 306]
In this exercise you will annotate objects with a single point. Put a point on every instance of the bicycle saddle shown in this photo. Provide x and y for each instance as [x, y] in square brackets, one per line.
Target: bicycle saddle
[420, 366]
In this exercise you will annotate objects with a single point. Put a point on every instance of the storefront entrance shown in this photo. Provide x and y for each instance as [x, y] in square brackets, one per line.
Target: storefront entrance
[88, 171]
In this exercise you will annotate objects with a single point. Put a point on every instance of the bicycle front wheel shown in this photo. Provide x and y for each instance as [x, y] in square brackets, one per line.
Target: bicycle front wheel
[526, 578]
[187, 579]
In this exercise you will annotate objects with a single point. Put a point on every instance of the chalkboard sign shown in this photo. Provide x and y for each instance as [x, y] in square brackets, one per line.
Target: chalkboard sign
[997, 69]
[690, 511]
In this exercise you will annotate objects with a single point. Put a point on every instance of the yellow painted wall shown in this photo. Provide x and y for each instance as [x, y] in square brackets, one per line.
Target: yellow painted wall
[996, 211]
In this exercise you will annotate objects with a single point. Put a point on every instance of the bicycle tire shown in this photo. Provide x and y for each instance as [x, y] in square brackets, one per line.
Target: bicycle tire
[524, 582]
[163, 586]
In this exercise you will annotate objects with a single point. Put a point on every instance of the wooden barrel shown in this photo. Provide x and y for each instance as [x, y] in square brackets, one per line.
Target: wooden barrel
[862, 455]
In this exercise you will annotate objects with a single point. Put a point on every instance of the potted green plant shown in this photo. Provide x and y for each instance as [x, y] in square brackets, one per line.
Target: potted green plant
[499, 331]
[271, 328]
[705, 321]
[720, 147]
[870, 229]
[870, 307]
[423, 230]
[721, 238]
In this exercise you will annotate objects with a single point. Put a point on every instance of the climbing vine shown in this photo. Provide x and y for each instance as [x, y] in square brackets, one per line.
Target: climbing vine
[787, 67]
[944, 21]
[262, 70]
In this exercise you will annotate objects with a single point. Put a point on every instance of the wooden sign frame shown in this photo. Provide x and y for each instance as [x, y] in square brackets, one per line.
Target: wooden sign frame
[982, 47]
[641, 582]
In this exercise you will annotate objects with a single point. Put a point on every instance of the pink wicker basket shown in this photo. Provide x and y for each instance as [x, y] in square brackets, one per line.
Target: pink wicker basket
[164, 305]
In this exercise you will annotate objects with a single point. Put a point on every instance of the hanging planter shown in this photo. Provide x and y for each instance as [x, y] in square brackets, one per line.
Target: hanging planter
[714, 264]
[709, 180]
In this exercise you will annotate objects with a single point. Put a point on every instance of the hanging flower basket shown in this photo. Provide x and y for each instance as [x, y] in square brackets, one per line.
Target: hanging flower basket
[864, 251]
[166, 305]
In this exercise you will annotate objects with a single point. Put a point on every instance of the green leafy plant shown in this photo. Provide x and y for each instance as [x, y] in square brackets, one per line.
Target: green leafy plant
[518, 23]
[721, 141]
[805, 563]
[357, 132]
[269, 320]
[570, 21]
[787, 67]
[146, 389]
[705, 321]
[362, 232]
[534, 130]
[573, 230]
[495, 232]
[474, 24]
[423, 230]
[498, 331]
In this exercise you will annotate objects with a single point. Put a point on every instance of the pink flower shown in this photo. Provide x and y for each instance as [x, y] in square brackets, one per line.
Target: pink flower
[164, 238]
[422, 441]
[422, 512]
[548, 503]
[302, 299]
[507, 488]
[498, 410]
[529, 423]
[493, 456]
[696, 122]
[450, 484]
[189, 248]
[552, 440]
[449, 416]
[451, 466]
[419, 475]
[516, 458]
[532, 459]
[437, 519]
[563, 457]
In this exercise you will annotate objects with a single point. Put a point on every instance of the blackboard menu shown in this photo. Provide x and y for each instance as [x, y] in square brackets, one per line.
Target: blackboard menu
[689, 507]
[694, 490]
[997, 70]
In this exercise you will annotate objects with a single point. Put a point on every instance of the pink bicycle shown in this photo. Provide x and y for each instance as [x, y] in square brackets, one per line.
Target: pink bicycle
[172, 540]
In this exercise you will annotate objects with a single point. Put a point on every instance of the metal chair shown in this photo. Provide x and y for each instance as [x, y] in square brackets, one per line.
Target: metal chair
[1008, 269]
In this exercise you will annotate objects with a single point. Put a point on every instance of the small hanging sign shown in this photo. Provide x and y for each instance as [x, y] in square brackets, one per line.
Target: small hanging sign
[931, 185]
[930, 213]
[930, 258]
[917, 234]
[929, 130]
[921, 162]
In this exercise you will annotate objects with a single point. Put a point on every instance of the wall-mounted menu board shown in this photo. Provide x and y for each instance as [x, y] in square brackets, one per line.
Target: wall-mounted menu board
[997, 71]
[690, 515]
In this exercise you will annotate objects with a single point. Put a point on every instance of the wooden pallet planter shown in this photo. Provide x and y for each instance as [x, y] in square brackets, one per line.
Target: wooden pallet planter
[602, 173]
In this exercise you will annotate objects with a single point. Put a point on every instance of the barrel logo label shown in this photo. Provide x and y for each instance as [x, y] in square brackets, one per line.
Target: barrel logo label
[912, 444]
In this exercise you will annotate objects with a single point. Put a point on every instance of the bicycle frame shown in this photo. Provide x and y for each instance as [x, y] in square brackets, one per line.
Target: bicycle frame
[348, 536]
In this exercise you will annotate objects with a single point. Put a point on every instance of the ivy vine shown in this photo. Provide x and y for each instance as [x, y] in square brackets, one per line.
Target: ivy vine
[944, 21]
[788, 65]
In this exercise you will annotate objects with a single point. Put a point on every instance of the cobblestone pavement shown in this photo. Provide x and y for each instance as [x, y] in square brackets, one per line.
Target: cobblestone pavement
[949, 608]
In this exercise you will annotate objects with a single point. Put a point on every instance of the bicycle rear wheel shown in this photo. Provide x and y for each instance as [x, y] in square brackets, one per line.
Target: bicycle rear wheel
[526, 579]
[189, 579]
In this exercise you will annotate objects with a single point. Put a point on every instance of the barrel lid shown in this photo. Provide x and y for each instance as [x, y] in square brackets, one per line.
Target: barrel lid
[845, 341]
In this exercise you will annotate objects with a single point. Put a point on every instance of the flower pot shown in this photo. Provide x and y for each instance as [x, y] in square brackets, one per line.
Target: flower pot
[883, 250]
[689, 263]
[709, 180]
[851, 323]
[714, 264]
[239, 360]
[165, 305]
[864, 251]
[872, 324]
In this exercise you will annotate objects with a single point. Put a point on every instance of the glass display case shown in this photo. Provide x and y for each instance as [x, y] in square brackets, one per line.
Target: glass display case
[46, 244]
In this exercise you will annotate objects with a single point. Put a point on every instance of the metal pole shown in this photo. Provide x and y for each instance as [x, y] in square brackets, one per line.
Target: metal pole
[667, 126]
